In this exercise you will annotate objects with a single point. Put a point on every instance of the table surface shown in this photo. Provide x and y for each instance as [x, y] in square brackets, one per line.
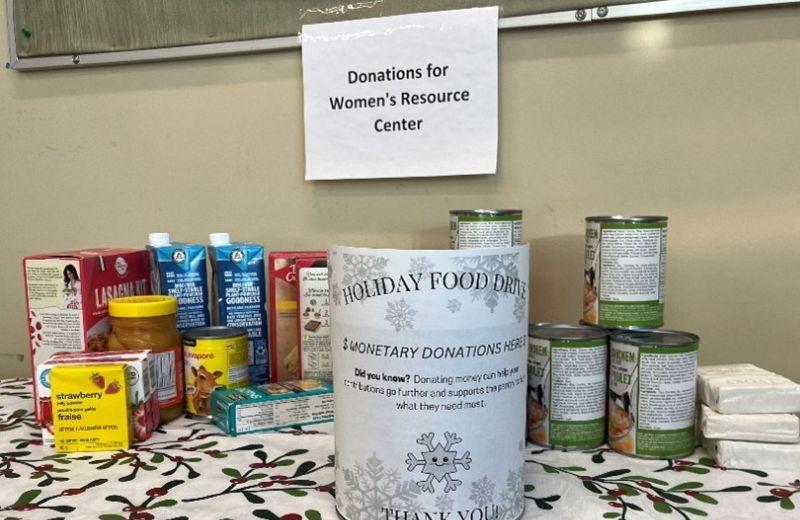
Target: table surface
[190, 469]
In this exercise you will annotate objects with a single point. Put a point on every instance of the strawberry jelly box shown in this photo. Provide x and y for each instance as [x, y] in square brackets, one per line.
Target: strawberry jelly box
[139, 373]
[272, 406]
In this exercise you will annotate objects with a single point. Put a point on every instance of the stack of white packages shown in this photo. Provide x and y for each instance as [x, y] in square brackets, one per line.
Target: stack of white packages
[748, 418]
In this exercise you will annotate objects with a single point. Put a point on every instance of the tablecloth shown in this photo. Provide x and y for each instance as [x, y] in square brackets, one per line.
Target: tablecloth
[190, 469]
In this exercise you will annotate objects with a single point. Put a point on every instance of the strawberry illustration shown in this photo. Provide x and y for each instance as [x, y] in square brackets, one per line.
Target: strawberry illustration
[98, 380]
[113, 387]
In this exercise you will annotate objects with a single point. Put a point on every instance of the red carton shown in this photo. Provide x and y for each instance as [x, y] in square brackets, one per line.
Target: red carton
[284, 350]
[67, 297]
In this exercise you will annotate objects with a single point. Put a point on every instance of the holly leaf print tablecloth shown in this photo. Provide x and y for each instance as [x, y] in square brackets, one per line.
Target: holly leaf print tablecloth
[190, 469]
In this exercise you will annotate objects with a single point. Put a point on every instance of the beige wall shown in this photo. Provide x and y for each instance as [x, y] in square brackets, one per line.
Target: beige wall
[695, 117]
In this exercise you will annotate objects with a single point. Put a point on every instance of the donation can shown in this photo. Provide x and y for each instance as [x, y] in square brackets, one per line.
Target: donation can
[214, 357]
[567, 385]
[429, 368]
[623, 286]
[651, 393]
[476, 228]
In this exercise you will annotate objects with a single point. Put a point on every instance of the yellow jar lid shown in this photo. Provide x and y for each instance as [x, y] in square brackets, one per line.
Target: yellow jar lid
[142, 306]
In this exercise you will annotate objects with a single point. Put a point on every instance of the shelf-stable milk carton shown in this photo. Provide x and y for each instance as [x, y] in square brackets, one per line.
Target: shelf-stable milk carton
[239, 296]
[179, 270]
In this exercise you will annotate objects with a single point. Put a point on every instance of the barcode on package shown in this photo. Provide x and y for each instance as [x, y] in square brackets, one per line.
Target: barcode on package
[165, 385]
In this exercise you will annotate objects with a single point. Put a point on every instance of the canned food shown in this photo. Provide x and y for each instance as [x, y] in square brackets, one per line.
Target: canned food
[651, 393]
[567, 385]
[476, 228]
[623, 283]
[213, 357]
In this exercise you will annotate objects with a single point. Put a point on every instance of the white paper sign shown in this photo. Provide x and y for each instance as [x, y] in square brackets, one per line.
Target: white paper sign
[402, 96]
[429, 362]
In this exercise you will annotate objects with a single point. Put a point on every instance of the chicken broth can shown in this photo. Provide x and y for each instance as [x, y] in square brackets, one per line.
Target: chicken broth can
[623, 285]
[567, 385]
[475, 228]
[651, 393]
[214, 357]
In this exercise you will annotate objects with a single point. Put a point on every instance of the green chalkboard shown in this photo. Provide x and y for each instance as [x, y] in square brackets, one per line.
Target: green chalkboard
[65, 27]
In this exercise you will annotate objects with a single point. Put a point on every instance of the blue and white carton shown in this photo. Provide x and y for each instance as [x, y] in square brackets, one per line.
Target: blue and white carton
[239, 297]
[179, 269]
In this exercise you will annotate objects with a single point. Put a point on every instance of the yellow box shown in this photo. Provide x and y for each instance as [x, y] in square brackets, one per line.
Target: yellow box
[90, 408]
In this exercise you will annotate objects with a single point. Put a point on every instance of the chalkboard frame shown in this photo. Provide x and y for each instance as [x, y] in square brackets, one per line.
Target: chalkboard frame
[603, 13]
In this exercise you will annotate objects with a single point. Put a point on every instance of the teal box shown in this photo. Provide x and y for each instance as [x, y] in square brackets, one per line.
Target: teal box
[272, 406]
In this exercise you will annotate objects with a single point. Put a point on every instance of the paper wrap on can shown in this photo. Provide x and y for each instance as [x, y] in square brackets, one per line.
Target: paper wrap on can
[761, 455]
[745, 388]
[761, 427]
[430, 351]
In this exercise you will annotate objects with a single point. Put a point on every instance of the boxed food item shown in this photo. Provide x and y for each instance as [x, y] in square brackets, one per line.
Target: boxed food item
[239, 296]
[90, 408]
[179, 270]
[761, 455]
[761, 427]
[285, 353]
[272, 406]
[314, 319]
[67, 297]
[745, 388]
[139, 376]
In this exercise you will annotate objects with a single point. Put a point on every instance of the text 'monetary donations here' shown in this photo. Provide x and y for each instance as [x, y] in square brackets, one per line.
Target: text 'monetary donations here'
[402, 96]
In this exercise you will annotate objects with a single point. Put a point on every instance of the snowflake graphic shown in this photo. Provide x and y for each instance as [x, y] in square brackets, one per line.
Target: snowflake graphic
[358, 268]
[420, 265]
[493, 265]
[371, 487]
[400, 315]
[520, 309]
[482, 492]
[453, 306]
[439, 462]
[444, 503]
[512, 497]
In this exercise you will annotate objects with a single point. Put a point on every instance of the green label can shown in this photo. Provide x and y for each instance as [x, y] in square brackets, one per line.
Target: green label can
[567, 385]
[623, 285]
[476, 228]
[651, 393]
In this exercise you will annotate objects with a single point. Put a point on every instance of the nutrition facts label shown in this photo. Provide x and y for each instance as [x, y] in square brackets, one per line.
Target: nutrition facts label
[257, 416]
[579, 383]
[315, 326]
[631, 264]
[667, 390]
[484, 233]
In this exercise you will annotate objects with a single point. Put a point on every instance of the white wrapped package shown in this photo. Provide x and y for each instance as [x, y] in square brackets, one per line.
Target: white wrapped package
[743, 388]
[765, 427]
[757, 455]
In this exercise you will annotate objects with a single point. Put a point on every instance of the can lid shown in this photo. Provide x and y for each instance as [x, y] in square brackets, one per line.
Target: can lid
[142, 306]
[215, 332]
[486, 212]
[158, 239]
[219, 239]
[623, 218]
[656, 337]
[566, 331]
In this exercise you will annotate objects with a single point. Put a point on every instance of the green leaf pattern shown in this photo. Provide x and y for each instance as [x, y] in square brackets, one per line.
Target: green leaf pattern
[189, 469]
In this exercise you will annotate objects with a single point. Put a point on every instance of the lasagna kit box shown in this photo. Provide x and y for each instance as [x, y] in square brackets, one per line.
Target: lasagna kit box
[272, 406]
[67, 297]
[285, 354]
